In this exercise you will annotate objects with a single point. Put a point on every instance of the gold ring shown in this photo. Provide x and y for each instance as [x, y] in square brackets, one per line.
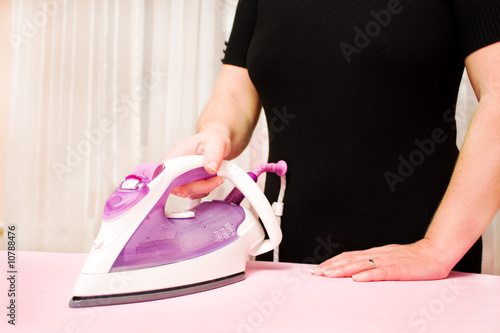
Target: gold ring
[372, 263]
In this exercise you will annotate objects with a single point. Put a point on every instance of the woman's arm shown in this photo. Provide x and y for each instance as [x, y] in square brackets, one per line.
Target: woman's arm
[469, 204]
[233, 110]
[473, 196]
[224, 128]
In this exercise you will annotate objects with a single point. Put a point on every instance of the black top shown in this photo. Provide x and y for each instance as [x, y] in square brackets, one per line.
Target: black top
[360, 100]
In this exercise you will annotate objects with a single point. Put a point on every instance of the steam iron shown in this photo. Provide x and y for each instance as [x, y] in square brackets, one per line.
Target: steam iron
[143, 253]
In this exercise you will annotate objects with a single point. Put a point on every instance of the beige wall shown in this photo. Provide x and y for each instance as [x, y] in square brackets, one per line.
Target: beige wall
[5, 76]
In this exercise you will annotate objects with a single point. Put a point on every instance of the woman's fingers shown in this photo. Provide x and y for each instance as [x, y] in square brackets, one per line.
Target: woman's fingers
[198, 189]
[214, 152]
[349, 269]
[214, 146]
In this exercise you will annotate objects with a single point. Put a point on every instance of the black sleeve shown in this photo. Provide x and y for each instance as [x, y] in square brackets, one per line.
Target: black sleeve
[241, 33]
[478, 23]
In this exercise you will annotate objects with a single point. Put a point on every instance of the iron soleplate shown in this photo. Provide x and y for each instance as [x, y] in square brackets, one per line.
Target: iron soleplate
[151, 295]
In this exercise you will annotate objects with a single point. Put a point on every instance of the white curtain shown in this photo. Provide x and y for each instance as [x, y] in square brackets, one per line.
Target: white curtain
[102, 85]
[98, 87]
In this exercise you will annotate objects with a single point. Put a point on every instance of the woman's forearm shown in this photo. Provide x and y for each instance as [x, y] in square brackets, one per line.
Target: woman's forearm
[233, 109]
[473, 196]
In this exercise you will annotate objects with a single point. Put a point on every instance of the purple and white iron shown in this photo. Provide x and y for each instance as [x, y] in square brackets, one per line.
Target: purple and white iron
[143, 253]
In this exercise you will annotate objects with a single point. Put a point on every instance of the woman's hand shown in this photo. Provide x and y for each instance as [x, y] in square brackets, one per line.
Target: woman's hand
[417, 261]
[214, 145]
[224, 128]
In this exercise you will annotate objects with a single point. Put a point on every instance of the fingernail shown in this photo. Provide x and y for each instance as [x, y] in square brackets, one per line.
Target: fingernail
[180, 194]
[355, 277]
[213, 165]
[317, 270]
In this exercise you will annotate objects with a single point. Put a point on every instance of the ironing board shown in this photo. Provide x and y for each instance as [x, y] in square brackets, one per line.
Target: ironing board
[274, 297]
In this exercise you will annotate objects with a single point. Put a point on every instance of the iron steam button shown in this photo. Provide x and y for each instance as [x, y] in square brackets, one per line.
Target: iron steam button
[130, 184]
